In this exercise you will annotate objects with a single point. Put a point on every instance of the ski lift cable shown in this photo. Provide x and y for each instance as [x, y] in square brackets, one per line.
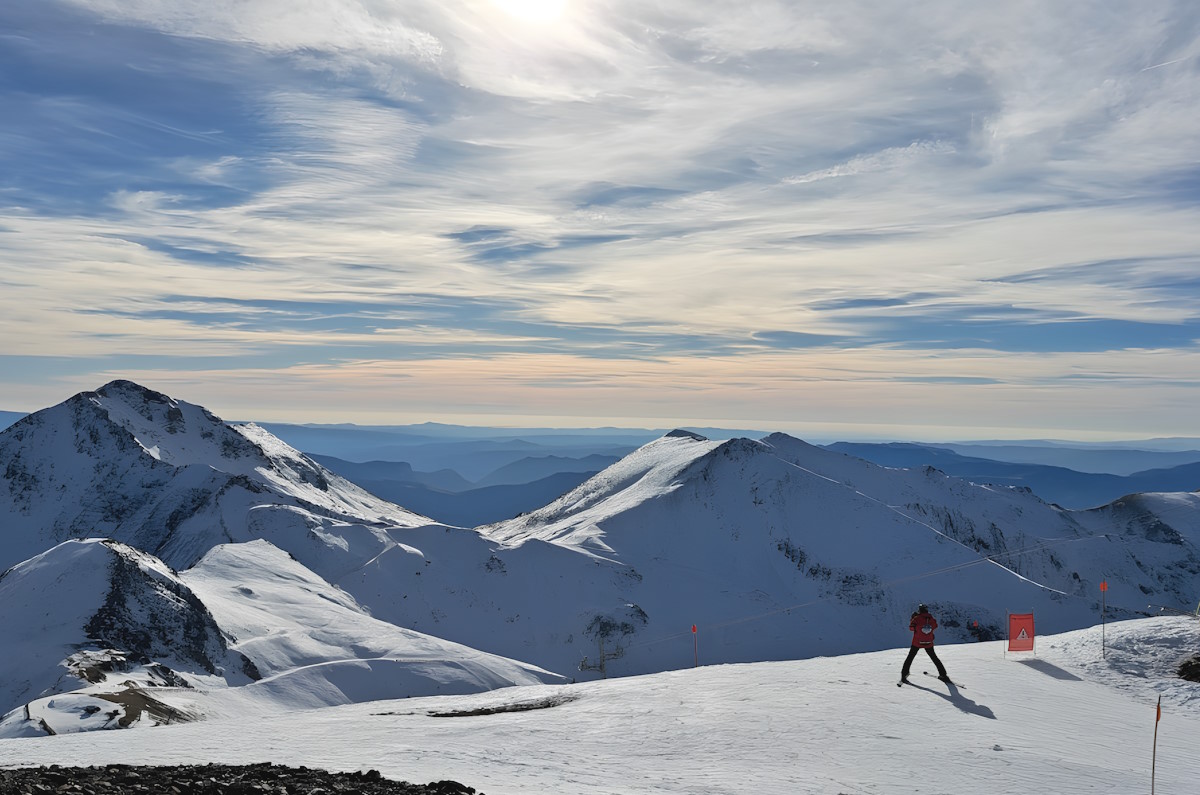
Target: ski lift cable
[898, 512]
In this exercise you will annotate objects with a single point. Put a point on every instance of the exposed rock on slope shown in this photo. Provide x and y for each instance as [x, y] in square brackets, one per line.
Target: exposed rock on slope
[101, 617]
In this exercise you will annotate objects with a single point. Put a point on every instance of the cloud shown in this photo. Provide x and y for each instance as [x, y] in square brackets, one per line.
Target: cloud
[367, 29]
[894, 157]
[341, 181]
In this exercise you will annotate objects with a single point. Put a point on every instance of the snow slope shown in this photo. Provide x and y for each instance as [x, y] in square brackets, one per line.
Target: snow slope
[1064, 720]
[303, 634]
[108, 624]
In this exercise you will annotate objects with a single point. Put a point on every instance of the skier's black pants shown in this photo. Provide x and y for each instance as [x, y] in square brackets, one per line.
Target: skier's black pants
[912, 653]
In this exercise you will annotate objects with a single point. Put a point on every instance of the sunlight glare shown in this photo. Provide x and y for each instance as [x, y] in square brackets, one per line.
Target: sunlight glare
[540, 11]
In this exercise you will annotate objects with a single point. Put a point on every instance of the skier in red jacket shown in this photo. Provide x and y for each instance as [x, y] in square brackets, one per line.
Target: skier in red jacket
[922, 625]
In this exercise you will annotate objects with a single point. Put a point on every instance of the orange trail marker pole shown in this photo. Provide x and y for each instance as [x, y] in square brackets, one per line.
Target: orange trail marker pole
[1103, 605]
[695, 648]
[1154, 758]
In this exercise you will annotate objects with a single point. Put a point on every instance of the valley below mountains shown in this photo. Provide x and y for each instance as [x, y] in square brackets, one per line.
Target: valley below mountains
[162, 565]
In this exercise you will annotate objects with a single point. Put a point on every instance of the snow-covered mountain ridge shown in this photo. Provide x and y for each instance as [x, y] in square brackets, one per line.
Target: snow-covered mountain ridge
[779, 549]
[171, 479]
[774, 549]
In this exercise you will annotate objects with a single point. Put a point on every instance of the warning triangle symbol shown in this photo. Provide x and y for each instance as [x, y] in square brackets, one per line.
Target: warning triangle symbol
[1023, 636]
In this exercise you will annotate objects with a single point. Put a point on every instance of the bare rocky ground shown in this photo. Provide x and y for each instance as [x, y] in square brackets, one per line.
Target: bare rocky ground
[260, 779]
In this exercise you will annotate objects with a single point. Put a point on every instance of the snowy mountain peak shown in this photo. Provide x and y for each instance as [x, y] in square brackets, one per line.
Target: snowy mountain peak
[171, 478]
[791, 444]
[174, 431]
[650, 471]
[659, 469]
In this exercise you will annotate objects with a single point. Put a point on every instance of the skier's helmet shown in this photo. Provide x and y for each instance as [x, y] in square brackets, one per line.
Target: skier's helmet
[922, 608]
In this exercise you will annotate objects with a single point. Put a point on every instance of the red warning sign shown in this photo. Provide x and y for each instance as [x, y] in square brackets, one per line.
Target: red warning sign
[1020, 631]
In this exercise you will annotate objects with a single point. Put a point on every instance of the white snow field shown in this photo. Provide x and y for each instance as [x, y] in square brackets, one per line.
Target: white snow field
[1061, 720]
[310, 642]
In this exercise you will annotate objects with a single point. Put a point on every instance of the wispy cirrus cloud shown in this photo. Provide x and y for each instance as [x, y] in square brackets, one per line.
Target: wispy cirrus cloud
[887, 159]
[703, 186]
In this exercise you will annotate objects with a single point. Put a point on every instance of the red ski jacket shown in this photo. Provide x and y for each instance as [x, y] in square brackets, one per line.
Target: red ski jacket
[922, 626]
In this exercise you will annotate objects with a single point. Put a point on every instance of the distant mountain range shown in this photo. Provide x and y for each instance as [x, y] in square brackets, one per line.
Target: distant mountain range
[1116, 458]
[524, 485]
[771, 548]
[467, 508]
[377, 473]
[473, 453]
[1066, 487]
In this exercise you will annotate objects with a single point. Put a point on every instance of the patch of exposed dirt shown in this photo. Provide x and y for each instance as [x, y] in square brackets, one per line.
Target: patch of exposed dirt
[138, 702]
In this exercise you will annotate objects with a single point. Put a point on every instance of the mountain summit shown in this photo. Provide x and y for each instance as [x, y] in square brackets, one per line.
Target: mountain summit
[172, 479]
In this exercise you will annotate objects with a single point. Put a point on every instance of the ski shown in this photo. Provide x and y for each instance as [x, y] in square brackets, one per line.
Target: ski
[947, 681]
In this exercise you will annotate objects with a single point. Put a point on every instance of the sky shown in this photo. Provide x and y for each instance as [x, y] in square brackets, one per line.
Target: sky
[859, 220]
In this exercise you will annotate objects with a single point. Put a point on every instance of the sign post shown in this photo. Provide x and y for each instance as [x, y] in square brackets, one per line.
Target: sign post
[1020, 632]
[695, 648]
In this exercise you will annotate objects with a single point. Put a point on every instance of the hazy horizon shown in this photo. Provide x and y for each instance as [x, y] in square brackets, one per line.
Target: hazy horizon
[812, 433]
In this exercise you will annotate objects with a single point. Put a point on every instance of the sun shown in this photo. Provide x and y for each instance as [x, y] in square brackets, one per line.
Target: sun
[540, 11]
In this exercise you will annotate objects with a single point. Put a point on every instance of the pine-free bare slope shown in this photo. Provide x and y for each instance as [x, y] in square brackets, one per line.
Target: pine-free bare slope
[1064, 721]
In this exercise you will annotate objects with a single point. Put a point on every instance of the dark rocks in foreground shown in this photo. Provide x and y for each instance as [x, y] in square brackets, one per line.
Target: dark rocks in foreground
[258, 779]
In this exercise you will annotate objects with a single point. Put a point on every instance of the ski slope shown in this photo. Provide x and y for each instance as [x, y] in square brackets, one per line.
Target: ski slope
[1062, 720]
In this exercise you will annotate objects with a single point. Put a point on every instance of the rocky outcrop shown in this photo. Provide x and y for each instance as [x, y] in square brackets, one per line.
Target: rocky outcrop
[148, 613]
[1189, 669]
[264, 779]
[109, 617]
